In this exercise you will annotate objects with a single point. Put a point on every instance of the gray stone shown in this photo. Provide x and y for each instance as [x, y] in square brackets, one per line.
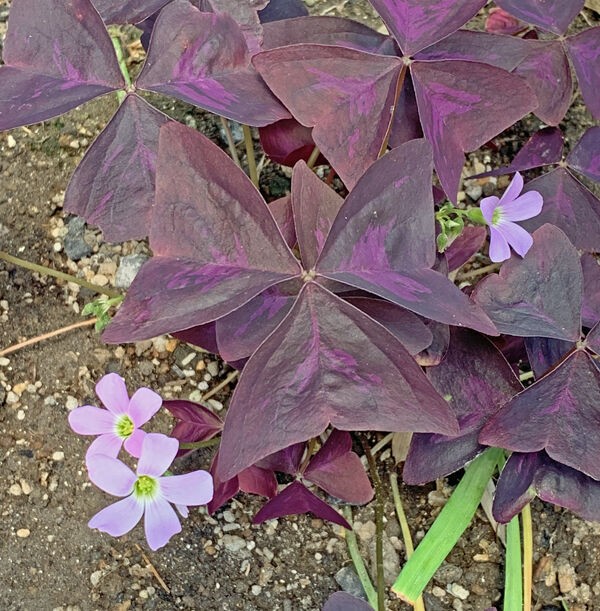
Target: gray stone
[448, 573]
[129, 266]
[348, 580]
[75, 245]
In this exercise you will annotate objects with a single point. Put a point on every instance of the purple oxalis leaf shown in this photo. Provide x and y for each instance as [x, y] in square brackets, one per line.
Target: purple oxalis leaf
[475, 379]
[539, 295]
[315, 207]
[58, 55]
[204, 336]
[467, 244]
[245, 13]
[286, 461]
[288, 141]
[559, 414]
[459, 119]
[543, 148]
[339, 471]
[544, 353]
[416, 24]
[382, 240]
[196, 422]
[325, 31]
[590, 310]
[407, 327]
[331, 81]
[551, 15]
[240, 333]
[278, 10]
[340, 601]
[207, 63]
[585, 156]
[526, 475]
[593, 340]
[281, 209]
[113, 186]
[297, 499]
[584, 49]
[215, 242]
[568, 204]
[130, 11]
[318, 368]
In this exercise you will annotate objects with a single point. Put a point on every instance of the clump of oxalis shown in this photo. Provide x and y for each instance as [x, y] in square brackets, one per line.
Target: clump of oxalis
[340, 314]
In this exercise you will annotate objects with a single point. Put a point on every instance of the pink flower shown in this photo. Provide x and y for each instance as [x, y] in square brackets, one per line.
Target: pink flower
[147, 493]
[119, 423]
[499, 215]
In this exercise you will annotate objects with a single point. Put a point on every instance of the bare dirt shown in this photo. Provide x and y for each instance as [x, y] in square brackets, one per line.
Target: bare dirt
[51, 561]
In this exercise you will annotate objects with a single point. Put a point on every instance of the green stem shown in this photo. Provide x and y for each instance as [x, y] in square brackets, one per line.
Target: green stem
[513, 580]
[116, 40]
[379, 510]
[528, 375]
[443, 535]
[48, 271]
[408, 543]
[195, 445]
[313, 157]
[359, 565]
[250, 155]
[527, 557]
[230, 142]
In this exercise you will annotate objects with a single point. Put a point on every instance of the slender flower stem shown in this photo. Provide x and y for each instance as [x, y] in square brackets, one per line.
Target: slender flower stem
[213, 391]
[527, 556]
[379, 510]
[397, 93]
[359, 565]
[250, 155]
[408, 543]
[195, 445]
[528, 375]
[39, 338]
[116, 40]
[480, 271]
[313, 157]
[230, 142]
[48, 271]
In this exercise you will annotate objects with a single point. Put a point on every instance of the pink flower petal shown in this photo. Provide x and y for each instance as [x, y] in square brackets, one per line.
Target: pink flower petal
[524, 207]
[143, 405]
[516, 236]
[113, 393]
[194, 488]
[109, 445]
[183, 511]
[133, 444]
[160, 523]
[158, 452]
[488, 205]
[513, 190]
[499, 249]
[110, 474]
[118, 518]
[90, 420]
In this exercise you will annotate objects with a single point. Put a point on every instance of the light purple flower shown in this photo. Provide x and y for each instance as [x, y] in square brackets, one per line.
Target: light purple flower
[119, 424]
[499, 215]
[146, 492]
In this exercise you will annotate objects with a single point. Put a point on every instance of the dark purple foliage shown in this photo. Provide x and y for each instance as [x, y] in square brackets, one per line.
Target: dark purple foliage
[69, 61]
[128, 11]
[340, 601]
[552, 15]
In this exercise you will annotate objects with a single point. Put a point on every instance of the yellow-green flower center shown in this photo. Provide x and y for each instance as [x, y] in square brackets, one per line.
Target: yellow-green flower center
[124, 426]
[145, 487]
[496, 216]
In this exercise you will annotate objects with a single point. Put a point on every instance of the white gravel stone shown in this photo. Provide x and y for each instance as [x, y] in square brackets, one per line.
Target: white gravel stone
[58, 456]
[23, 533]
[71, 403]
[458, 591]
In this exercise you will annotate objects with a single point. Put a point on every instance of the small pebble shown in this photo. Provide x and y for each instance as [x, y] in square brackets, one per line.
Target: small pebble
[71, 403]
[458, 591]
[11, 142]
[58, 456]
[256, 590]
[23, 533]
[15, 490]
[4, 361]
[95, 578]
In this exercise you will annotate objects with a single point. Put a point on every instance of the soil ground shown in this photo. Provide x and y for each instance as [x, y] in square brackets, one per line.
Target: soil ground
[51, 561]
